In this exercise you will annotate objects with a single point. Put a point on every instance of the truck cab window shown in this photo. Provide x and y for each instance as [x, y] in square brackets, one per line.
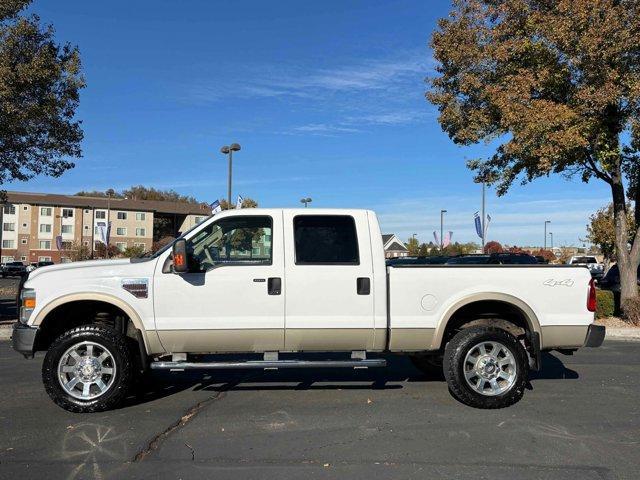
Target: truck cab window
[241, 240]
[325, 240]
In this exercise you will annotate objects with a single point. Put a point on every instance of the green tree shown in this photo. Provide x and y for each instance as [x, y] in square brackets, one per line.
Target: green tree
[140, 192]
[601, 231]
[40, 82]
[413, 246]
[424, 250]
[557, 84]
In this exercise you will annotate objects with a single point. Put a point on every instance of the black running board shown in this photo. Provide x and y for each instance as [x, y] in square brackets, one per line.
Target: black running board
[270, 364]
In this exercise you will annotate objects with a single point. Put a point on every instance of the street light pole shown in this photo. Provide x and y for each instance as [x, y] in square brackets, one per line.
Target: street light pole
[546, 222]
[228, 150]
[306, 201]
[442, 212]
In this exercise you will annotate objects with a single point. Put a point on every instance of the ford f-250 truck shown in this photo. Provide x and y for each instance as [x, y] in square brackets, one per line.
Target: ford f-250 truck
[282, 283]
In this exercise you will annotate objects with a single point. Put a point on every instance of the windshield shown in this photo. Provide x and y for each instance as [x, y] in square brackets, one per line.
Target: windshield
[150, 255]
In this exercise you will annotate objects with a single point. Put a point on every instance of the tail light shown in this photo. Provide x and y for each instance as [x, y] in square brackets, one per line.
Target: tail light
[592, 301]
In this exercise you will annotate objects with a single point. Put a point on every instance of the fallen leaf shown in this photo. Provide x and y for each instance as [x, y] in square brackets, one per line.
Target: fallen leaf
[369, 401]
[326, 465]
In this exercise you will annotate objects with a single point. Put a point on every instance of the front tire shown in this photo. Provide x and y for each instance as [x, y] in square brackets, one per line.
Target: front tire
[486, 367]
[88, 369]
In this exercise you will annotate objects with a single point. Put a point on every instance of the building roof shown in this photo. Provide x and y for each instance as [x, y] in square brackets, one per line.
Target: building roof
[386, 237]
[157, 206]
[395, 246]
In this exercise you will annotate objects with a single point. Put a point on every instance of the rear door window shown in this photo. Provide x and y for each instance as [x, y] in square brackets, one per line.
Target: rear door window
[325, 240]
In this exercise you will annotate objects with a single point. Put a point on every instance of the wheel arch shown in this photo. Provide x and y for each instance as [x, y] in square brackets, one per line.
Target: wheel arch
[99, 298]
[525, 312]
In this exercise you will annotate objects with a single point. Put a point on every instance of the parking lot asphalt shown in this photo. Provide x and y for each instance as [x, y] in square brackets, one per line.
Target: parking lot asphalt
[580, 420]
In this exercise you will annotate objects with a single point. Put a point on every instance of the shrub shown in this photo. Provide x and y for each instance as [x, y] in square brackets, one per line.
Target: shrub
[606, 304]
[631, 312]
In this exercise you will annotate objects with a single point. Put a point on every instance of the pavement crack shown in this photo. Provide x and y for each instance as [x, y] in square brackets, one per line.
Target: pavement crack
[181, 422]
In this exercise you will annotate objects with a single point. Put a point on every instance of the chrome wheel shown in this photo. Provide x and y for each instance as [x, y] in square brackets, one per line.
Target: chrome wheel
[490, 368]
[86, 370]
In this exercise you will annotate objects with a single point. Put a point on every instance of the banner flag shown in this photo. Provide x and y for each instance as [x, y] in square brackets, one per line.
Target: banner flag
[447, 239]
[435, 236]
[103, 232]
[239, 201]
[59, 242]
[216, 207]
[478, 222]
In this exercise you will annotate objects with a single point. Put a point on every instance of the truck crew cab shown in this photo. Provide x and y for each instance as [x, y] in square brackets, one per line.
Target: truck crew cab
[274, 281]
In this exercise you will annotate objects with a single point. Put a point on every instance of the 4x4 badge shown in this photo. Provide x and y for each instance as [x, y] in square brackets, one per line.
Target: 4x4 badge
[559, 283]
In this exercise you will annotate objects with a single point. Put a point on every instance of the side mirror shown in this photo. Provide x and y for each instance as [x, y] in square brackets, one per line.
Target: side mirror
[180, 264]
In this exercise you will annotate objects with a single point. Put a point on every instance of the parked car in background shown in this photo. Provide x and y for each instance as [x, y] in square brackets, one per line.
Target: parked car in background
[13, 269]
[596, 268]
[611, 279]
[33, 265]
[494, 259]
[469, 260]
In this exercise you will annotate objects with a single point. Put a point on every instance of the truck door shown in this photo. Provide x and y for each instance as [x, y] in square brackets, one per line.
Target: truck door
[328, 282]
[231, 300]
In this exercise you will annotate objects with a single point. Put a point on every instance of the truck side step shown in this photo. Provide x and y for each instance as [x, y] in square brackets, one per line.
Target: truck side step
[270, 364]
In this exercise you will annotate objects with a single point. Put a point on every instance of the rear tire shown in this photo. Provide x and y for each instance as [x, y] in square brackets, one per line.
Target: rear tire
[91, 355]
[486, 367]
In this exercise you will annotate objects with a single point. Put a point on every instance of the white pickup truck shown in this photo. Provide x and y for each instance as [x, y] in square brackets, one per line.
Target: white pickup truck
[281, 283]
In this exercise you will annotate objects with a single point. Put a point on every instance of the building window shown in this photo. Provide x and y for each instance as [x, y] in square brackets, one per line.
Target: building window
[101, 214]
[23, 258]
[7, 244]
[45, 211]
[199, 220]
[45, 228]
[65, 260]
[67, 213]
[44, 259]
[325, 240]
[9, 227]
[9, 209]
[24, 225]
[67, 245]
[122, 246]
[141, 232]
[44, 244]
[23, 241]
[141, 216]
[67, 229]
[86, 210]
[86, 243]
[122, 231]
[25, 208]
[86, 227]
[139, 245]
[122, 215]
[7, 259]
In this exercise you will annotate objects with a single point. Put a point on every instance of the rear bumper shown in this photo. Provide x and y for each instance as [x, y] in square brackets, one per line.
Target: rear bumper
[595, 335]
[23, 339]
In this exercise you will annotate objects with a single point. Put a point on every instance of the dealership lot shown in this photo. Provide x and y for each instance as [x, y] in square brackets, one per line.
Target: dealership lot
[581, 419]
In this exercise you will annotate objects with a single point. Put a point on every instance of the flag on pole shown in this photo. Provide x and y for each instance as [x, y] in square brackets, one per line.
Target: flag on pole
[447, 239]
[435, 236]
[478, 222]
[215, 207]
[239, 201]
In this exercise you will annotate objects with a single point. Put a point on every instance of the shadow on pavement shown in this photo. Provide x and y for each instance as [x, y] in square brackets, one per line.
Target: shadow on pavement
[159, 384]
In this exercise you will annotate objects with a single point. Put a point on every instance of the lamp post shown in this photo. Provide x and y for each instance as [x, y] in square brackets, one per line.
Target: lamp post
[228, 150]
[442, 212]
[306, 201]
[546, 222]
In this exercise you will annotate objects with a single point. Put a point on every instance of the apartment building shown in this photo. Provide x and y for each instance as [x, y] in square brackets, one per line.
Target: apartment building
[47, 227]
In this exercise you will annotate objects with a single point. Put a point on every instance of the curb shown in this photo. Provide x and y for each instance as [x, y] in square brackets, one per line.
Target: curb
[5, 332]
[631, 334]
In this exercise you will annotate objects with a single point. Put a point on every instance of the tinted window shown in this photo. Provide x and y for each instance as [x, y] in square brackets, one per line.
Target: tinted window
[325, 239]
[238, 240]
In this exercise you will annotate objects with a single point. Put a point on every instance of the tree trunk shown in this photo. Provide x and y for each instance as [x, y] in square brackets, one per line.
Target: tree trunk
[628, 259]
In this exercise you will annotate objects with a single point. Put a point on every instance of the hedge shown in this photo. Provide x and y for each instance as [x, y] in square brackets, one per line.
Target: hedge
[606, 304]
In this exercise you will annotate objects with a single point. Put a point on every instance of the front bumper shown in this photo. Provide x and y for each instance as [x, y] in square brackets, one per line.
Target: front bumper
[23, 339]
[595, 335]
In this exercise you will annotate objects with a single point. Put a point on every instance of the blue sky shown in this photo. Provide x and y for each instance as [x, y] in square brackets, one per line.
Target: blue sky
[326, 99]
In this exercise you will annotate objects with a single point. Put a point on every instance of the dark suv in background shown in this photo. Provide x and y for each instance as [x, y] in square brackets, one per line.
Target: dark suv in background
[13, 269]
[611, 279]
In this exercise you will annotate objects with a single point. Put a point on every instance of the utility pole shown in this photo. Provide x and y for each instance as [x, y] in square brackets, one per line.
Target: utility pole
[546, 222]
[442, 212]
[228, 150]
